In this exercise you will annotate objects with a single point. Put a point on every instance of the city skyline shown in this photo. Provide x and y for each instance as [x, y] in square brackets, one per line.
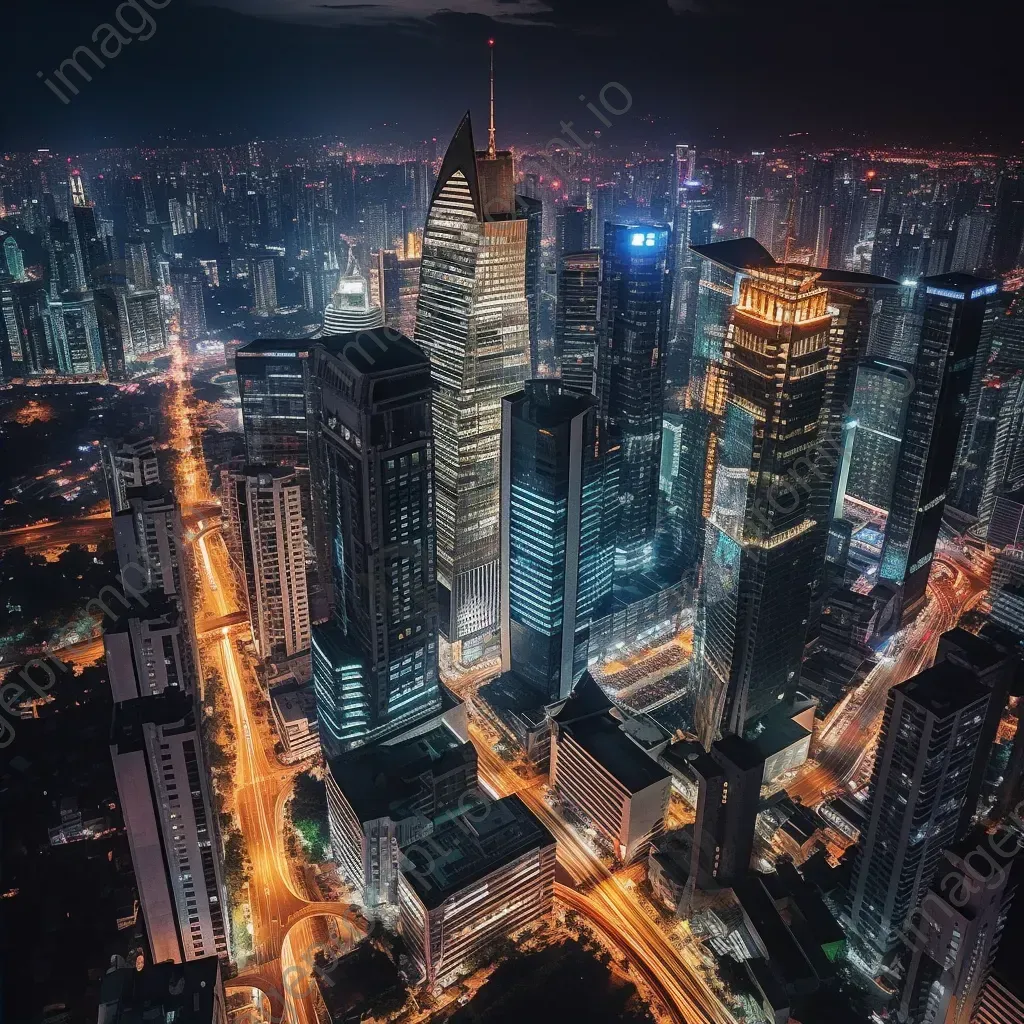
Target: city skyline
[573, 581]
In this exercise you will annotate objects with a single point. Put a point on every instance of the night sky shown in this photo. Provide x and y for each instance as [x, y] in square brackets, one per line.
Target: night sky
[741, 73]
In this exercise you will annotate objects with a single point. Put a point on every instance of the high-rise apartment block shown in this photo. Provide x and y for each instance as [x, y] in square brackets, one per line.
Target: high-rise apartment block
[164, 791]
[128, 464]
[266, 504]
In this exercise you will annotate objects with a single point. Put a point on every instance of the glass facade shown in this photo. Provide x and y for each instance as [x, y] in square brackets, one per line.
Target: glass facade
[556, 544]
[760, 554]
[473, 322]
[579, 282]
[635, 293]
[73, 333]
[956, 322]
[375, 662]
[880, 400]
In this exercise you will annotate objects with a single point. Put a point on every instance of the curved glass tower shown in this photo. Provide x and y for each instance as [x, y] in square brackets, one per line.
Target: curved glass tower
[472, 319]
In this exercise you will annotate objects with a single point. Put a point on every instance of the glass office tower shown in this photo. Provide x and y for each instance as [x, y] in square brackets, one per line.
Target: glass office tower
[635, 294]
[557, 488]
[956, 312]
[760, 545]
[473, 322]
[579, 285]
[375, 661]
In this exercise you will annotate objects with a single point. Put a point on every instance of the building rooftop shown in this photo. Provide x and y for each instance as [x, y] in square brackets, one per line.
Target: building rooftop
[586, 699]
[294, 703]
[183, 993]
[375, 351]
[602, 738]
[547, 404]
[295, 348]
[965, 283]
[944, 689]
[471, 846]
[978, 652]
[828, 275]
[387, 780]
[169, 708]
[745, 755]
[736, 253]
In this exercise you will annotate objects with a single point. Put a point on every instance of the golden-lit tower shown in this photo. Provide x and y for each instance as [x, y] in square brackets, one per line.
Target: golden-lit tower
[760, 545]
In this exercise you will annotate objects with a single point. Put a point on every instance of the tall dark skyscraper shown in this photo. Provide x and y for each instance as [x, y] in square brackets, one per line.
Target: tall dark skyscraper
[572, 228]
[635, 293]
[556, 539]
[275, 389]
[25, 341]
[579, 288]
[473, 322]
[273, 383]
[761, 542]
[693, 226]
[929, 742]
[375, 662]
[956, 322]
[880, 400]
[532, 210]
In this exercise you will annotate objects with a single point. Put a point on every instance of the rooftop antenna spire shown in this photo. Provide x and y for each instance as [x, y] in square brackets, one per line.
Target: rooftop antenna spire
[491, 147]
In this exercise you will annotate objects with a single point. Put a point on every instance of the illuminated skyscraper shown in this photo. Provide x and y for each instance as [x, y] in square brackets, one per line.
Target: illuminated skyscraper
[264, 281]
[375, 662]
[572, 228]
[880, 401]
[189, 293]
[556, 537]
[579, 287]
[685, 166]
[760, 543]
[108, 316]
[722, 267]
[635, 293]
[473, 322]
[350, 308]
[693, 226]
[142, 324]
[13, 258]
[137, 264]
[956, 317]
[73, 333]
[398, 283]
[533, 210]
[25, 340]
[927, 749]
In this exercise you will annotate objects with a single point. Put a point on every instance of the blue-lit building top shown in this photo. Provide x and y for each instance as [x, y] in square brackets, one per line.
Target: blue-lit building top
[559, 496]
[635, 300]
